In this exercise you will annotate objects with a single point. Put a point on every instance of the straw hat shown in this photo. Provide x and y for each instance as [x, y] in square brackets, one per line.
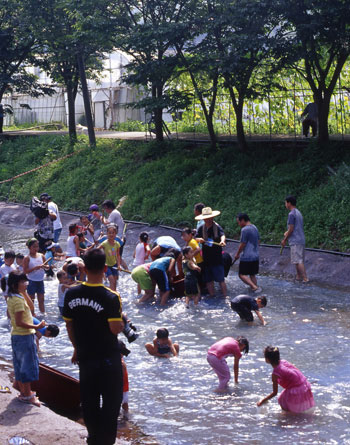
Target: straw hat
[207, 212]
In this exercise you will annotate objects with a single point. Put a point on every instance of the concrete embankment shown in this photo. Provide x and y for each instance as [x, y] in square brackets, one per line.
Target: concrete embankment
[322, 268]
[37, 425]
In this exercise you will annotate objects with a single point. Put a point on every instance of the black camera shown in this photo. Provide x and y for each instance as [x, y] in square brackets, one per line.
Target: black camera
[129, 330]
[123, 349]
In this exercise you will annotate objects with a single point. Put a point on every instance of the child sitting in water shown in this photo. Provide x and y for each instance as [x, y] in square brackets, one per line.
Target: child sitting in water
[191, 271]
[297, 396]
[162, 345]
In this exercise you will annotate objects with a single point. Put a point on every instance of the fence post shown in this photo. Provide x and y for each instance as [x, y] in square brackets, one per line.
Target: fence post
[9, 191]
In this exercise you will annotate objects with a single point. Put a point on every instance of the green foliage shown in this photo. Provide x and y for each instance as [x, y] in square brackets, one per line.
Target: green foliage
[164, 181]
[129, 125]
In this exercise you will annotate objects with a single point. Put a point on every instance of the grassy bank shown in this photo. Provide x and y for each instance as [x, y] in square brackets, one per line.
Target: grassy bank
[163, 181]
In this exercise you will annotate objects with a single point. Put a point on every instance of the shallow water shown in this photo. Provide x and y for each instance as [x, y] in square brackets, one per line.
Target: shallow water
[173, 400]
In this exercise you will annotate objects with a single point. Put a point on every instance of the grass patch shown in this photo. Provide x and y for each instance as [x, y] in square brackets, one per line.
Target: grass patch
[164, 181]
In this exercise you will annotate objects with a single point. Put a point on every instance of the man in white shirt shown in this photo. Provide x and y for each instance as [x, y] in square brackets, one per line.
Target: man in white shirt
[52, 207]
[114, 216]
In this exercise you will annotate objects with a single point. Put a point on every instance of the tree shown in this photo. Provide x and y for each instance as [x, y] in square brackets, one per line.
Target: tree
[18, 48]
[69, 48]
[202, 65]
[318, 33]
[149, 31]
[240, 34]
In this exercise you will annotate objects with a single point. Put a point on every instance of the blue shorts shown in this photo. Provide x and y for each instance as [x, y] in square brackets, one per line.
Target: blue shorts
[25, 358]
[214, 273]
[35, 287]
[112, 270]
[56, 235]
[161, 278]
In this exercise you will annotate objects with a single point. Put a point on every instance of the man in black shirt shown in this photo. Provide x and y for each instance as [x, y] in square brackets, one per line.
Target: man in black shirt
[93, 316]
[213, 239]
[244, 305]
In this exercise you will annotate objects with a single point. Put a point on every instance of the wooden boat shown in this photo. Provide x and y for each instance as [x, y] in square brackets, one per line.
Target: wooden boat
[177, 287]
[57, 389]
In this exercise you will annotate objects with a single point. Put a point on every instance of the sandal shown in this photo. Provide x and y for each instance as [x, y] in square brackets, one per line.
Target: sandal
[4, 388]
[31, 400]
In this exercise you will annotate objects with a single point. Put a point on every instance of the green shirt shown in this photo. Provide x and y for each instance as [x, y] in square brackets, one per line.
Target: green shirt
[17, 303]
[111, 252]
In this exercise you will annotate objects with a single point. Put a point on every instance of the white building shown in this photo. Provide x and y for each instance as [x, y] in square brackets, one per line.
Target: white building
[109, 97]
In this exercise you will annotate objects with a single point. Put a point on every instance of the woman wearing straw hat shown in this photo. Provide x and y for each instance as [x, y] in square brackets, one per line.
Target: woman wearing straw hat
[211, 235]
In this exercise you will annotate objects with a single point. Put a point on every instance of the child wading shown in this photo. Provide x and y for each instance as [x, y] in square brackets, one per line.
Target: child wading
[297, 396]
[141, 253]
[216, 358]
[191, 271]
[111, 249]
[33, 267]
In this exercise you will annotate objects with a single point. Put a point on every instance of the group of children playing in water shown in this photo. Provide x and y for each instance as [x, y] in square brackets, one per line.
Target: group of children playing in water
[25, 279]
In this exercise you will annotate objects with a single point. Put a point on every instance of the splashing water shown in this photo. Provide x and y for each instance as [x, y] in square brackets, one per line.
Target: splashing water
[173, 400]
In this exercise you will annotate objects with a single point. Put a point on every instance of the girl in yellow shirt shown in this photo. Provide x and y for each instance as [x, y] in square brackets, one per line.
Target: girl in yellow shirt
[111, 248]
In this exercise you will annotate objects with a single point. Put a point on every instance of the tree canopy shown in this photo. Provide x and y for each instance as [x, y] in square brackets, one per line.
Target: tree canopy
[239, 46]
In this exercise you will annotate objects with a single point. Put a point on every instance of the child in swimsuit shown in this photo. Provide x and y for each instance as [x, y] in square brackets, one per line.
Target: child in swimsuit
[162, 345]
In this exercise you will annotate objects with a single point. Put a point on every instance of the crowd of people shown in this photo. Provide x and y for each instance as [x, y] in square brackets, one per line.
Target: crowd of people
[93, 311]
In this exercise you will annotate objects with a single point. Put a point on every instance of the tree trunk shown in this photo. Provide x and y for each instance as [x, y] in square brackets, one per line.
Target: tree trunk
[238, 107]
[242, 142]
[207, 114]
[71, 113]
[86, 97]
[323, 113]
[158, 114]
[158, 124]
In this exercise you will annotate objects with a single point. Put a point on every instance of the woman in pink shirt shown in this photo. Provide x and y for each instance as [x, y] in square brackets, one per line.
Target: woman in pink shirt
[217, 353]
[296, 396]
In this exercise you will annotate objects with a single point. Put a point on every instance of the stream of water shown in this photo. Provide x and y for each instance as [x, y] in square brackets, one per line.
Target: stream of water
[173, 400]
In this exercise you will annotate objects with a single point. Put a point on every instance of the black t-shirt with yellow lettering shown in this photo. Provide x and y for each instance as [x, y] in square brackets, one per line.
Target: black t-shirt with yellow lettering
[90, 307]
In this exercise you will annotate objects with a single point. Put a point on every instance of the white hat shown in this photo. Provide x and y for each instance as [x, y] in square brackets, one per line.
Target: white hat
[50, 246]
[207, 212]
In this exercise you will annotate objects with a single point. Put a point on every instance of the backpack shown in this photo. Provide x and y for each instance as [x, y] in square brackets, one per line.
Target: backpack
[39, 208]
